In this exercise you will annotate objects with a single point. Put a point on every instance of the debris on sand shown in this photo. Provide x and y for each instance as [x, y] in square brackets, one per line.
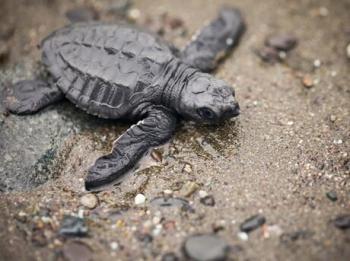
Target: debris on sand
[206, 247]
[89, 200]
[307, 80]
[252, 223]
[73, 226]
[332, 195]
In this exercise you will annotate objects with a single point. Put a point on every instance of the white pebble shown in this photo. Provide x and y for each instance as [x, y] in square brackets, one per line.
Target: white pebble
[140, 199]
[242, 236]
[202, 193]
[317, 63]
[114, 246]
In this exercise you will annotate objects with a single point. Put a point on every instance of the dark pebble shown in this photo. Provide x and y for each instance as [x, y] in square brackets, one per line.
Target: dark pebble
[73, 226]
[208, 201]
[206, 247]
[252, 223]
[297, 235]
[82, 14]
[76, 251]
[170, 257]
[282, 42]
[268, 55]
[342, 221]
[332, 195]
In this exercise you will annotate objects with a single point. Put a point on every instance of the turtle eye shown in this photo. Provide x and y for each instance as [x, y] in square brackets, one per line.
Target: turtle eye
[206, 113]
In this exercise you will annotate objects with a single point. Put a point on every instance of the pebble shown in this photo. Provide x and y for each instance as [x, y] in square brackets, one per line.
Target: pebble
[73, 226]
[348, 51]
[140, 199]
[134, 14]
[208, 201]
[89, 200]
[252, 223]
[187, 168]
[308, 81]
[206, 247]
[202, 194]
[169, 257]
[82, 14]
[77, 251]
[168, 192]
[332, 195]
[114, 246]
[282, 42]
[189, 188]
[317, 63]
[342, 221]
[242, 236]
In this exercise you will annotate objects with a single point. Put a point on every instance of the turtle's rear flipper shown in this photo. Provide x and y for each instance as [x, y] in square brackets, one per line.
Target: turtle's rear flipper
[29, 96]
[154, 130]
[215, 40]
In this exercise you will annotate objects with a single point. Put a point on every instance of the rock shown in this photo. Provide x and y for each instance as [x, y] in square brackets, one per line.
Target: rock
[82, 14]
[169, 257]
[89, 200]
[252, 223]
[308, 82]
[332, 195]
[169, 202]
[140, 199]
[189, 188]
[342, 221]
[208, 201]
[73, 226]
[206, 247]
[202, 194]
[297, 235]
[77, 251]
[133, 14]
[282, 42]
[268, 55]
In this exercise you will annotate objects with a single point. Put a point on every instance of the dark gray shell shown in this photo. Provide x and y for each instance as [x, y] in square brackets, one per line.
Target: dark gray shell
[100, 66]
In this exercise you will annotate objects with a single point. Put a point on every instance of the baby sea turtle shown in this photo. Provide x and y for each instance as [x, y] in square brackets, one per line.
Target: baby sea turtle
[122, 72]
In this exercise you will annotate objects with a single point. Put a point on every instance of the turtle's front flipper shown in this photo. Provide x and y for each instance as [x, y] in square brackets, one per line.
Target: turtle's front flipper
[29, 96]
[152, 131]
[215, 40]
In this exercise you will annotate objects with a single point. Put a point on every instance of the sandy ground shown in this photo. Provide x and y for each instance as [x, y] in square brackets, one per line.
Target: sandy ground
[289, 147]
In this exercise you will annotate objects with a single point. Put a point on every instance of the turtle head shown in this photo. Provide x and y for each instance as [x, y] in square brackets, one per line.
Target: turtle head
[208, 100]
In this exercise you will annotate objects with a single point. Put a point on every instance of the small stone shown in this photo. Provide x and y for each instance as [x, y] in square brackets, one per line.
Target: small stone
[332, 195]
[114, 246]
[175, 22]
[308, 81]
[268, 55]
[170, 257]
[342, 221]
[134, 14]
[89, 200]
[282, 42]
[206, 247]
[323, 11]
[317, 63]
[348, 51]
[187, 168]
[145, 238]
[333, 118]
[208, 201]
[168, 192]
[77, 251]
[73, 226]
[82, 14]
[157, 155]
[140, 199]
[242, 236]
[202, 194]
[252, 223]
[189, 188]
